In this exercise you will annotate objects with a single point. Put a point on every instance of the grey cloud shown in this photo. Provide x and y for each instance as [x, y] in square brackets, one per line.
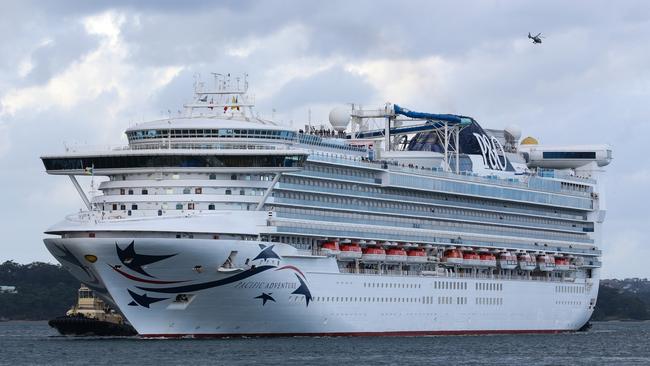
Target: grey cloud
[39, 133]
[367, 29]
[333, 85]
[67, 46]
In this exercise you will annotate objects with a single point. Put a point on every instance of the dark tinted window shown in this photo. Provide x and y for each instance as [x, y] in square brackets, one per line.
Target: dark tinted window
[569, 155]
[176, 161]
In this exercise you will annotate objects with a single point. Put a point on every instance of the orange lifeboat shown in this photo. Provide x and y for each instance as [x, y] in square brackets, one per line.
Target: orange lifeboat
[349, 252]
[562, 264]
[507, 260]
[471, 259]
[526, 262]
[545, 262]
[416, 256]
[329, 248]
[373, 254]
[487, 259]
[452, 256]
[396, 255]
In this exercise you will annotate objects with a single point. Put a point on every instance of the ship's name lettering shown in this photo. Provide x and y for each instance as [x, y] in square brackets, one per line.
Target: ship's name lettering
[266, 285]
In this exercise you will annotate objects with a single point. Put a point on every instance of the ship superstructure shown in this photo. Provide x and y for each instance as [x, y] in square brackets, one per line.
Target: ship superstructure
[218, 222]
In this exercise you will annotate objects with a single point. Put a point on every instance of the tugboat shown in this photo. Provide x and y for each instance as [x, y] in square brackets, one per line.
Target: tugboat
[91, 317]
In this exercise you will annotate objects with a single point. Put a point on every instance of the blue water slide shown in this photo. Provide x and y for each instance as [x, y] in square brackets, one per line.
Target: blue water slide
[452, 118]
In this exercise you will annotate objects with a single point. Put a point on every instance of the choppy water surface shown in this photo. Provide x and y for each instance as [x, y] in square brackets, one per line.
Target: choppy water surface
[613, 343]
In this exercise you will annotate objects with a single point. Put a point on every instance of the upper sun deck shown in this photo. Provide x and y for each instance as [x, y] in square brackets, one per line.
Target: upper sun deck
[200, 122]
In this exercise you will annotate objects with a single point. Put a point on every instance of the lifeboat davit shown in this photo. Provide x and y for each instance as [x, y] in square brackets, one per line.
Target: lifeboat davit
[396, 255]
[487, 259]
[471, 259]
[373, 254]
[349, 252]
[416, 256]
[562, 264]
[329, 248]
[507, 260]
[545, 262]
[526, 262]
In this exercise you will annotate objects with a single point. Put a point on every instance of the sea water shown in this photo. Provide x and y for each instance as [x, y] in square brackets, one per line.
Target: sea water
[607, 343]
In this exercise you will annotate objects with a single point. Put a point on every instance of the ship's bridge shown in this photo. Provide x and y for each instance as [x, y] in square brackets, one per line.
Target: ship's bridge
[210, 132]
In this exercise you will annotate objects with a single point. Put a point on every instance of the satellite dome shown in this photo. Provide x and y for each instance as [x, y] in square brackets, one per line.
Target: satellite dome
[529, 141]
[514, 131]
[339, 118]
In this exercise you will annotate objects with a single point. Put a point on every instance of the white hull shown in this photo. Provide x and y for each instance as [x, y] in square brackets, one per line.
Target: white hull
[339, 304]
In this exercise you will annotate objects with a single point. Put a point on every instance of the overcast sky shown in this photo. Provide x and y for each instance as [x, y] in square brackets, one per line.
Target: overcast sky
[81, 72]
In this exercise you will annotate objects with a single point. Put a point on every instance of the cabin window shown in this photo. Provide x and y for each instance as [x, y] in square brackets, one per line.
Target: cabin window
[211, 206]
[241, 192]
[198, 190]
[186, 191]
[233, 177]
[114, 206]
[134, 207]
[190, 206]
[159, 212]
[213, 176]
[122, 191]
[228, 191]
[179, 206]
[144, 191]
[130, 191]
[122, 207]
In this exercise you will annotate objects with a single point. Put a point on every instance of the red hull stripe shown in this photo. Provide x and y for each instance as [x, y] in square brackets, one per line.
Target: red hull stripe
[134, 278]
[294, 268]
[367, 334]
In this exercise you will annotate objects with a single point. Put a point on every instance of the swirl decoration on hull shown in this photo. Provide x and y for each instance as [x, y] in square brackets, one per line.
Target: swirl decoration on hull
[267, 259]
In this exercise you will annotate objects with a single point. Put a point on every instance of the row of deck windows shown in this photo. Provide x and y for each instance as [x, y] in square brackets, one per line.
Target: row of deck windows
[571, 289]
[371, 219]
[177, 176]
[411, 209]
[196, 190]
[489, 301]
[429, 300]
[421, 299]
[391, 285]
[568, 302]
[210, 133]
[433, 197]
[491, 191]
[446, 285]
[338, 170]
[489, 286]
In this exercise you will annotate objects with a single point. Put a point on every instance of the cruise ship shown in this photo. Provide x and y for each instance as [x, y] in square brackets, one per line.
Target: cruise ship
[217, 222]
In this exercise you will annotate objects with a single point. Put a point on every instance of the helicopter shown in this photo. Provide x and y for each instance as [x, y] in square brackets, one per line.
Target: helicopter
[536, 39]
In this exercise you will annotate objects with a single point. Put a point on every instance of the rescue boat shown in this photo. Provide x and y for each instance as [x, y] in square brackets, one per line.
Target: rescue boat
[507, 260]
[350, 251]
[373, 254]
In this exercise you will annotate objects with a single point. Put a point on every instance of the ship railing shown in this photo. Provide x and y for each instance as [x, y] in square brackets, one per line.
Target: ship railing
[98, 216]
[177, 146]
